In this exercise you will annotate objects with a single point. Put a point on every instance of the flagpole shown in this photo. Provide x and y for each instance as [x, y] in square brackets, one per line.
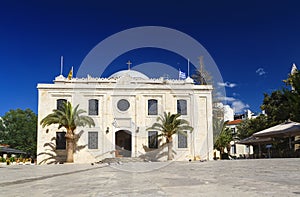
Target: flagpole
[61, 64]
[188, 67]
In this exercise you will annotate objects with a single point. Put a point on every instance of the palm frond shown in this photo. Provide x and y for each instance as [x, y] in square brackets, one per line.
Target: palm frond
[169, 124]
[68, 117]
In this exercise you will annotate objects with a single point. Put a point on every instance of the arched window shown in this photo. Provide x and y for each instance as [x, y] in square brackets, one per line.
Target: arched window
[182, 107]
[152, 107]
[60, 103]
[93, 107]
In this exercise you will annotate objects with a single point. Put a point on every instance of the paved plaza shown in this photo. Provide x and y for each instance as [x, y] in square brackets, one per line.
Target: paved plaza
[265, 177]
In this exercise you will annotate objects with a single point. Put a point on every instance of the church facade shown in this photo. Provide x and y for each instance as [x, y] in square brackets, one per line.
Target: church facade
[123, 107]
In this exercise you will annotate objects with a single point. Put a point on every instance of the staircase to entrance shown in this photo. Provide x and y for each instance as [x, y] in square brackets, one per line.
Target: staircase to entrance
[122, 160]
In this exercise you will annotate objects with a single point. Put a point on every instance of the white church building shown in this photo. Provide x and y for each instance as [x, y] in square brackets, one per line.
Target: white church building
[123, 106]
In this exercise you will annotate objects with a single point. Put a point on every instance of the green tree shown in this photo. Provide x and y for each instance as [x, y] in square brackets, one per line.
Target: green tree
[18, 128]
[282, 105]
[168, 125]
[293, 96]
[249, 126]
[224, 138]
[70, 118]
[277, 106]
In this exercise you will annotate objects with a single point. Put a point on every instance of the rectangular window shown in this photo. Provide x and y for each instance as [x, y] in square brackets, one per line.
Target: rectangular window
[247, 149]
[182, 107]
[93, 107]
[182, 139]
[60, 104]
[152, 139]
[233, 149]
[152, 107]
[60, 140]
[93, 140]
[233, 131]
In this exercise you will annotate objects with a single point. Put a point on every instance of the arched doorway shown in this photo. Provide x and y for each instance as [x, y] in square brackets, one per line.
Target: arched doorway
[123, 143]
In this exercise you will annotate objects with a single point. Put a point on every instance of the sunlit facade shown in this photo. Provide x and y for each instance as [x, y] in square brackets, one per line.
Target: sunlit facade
[123, 106]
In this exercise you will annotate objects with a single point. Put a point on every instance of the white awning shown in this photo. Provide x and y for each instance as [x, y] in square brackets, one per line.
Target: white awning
[286, 129]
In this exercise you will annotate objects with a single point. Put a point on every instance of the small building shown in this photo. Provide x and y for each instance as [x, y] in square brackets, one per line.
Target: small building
[6, 151]
[123, 106]
[236, 149]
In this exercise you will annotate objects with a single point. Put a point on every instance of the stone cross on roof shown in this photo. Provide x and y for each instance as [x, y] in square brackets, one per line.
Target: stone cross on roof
[129, 64]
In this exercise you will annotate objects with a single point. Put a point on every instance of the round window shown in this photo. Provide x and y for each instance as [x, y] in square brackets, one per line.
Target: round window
[123, 105]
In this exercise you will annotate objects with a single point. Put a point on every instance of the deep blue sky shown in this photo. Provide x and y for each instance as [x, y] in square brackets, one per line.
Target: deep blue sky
[241, 36]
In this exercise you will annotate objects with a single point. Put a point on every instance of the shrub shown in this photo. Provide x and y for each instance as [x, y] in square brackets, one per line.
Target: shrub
[12, 159]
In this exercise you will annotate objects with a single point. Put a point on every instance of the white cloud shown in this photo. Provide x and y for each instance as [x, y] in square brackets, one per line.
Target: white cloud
[260, 71]
[234, 106]
[227, 84]
[238, 106]
[228, 113]
[226, 98]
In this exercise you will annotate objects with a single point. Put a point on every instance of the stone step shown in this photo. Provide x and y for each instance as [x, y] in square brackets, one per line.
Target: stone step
[121, 160]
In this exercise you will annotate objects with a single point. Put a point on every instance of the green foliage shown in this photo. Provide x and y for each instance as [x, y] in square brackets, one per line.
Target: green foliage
[12, 159]
[294, 103]
[18, 128]
[168, 125]
[293, 80]
[277, 106]
[293, 96]
[249, 126]
[2, 159]
[280, 105]
[224, 138]
[68, 118]
[284, 104]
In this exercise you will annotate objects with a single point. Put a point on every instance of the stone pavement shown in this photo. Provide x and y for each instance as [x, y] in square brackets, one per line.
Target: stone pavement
[265, 177]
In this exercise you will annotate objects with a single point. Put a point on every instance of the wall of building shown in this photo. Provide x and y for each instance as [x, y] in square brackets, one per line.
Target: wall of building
[238, 150]
[135, 120]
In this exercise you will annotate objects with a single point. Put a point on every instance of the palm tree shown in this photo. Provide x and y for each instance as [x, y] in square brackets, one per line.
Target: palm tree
[168, 125]
[224, 138]
[69, 118]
